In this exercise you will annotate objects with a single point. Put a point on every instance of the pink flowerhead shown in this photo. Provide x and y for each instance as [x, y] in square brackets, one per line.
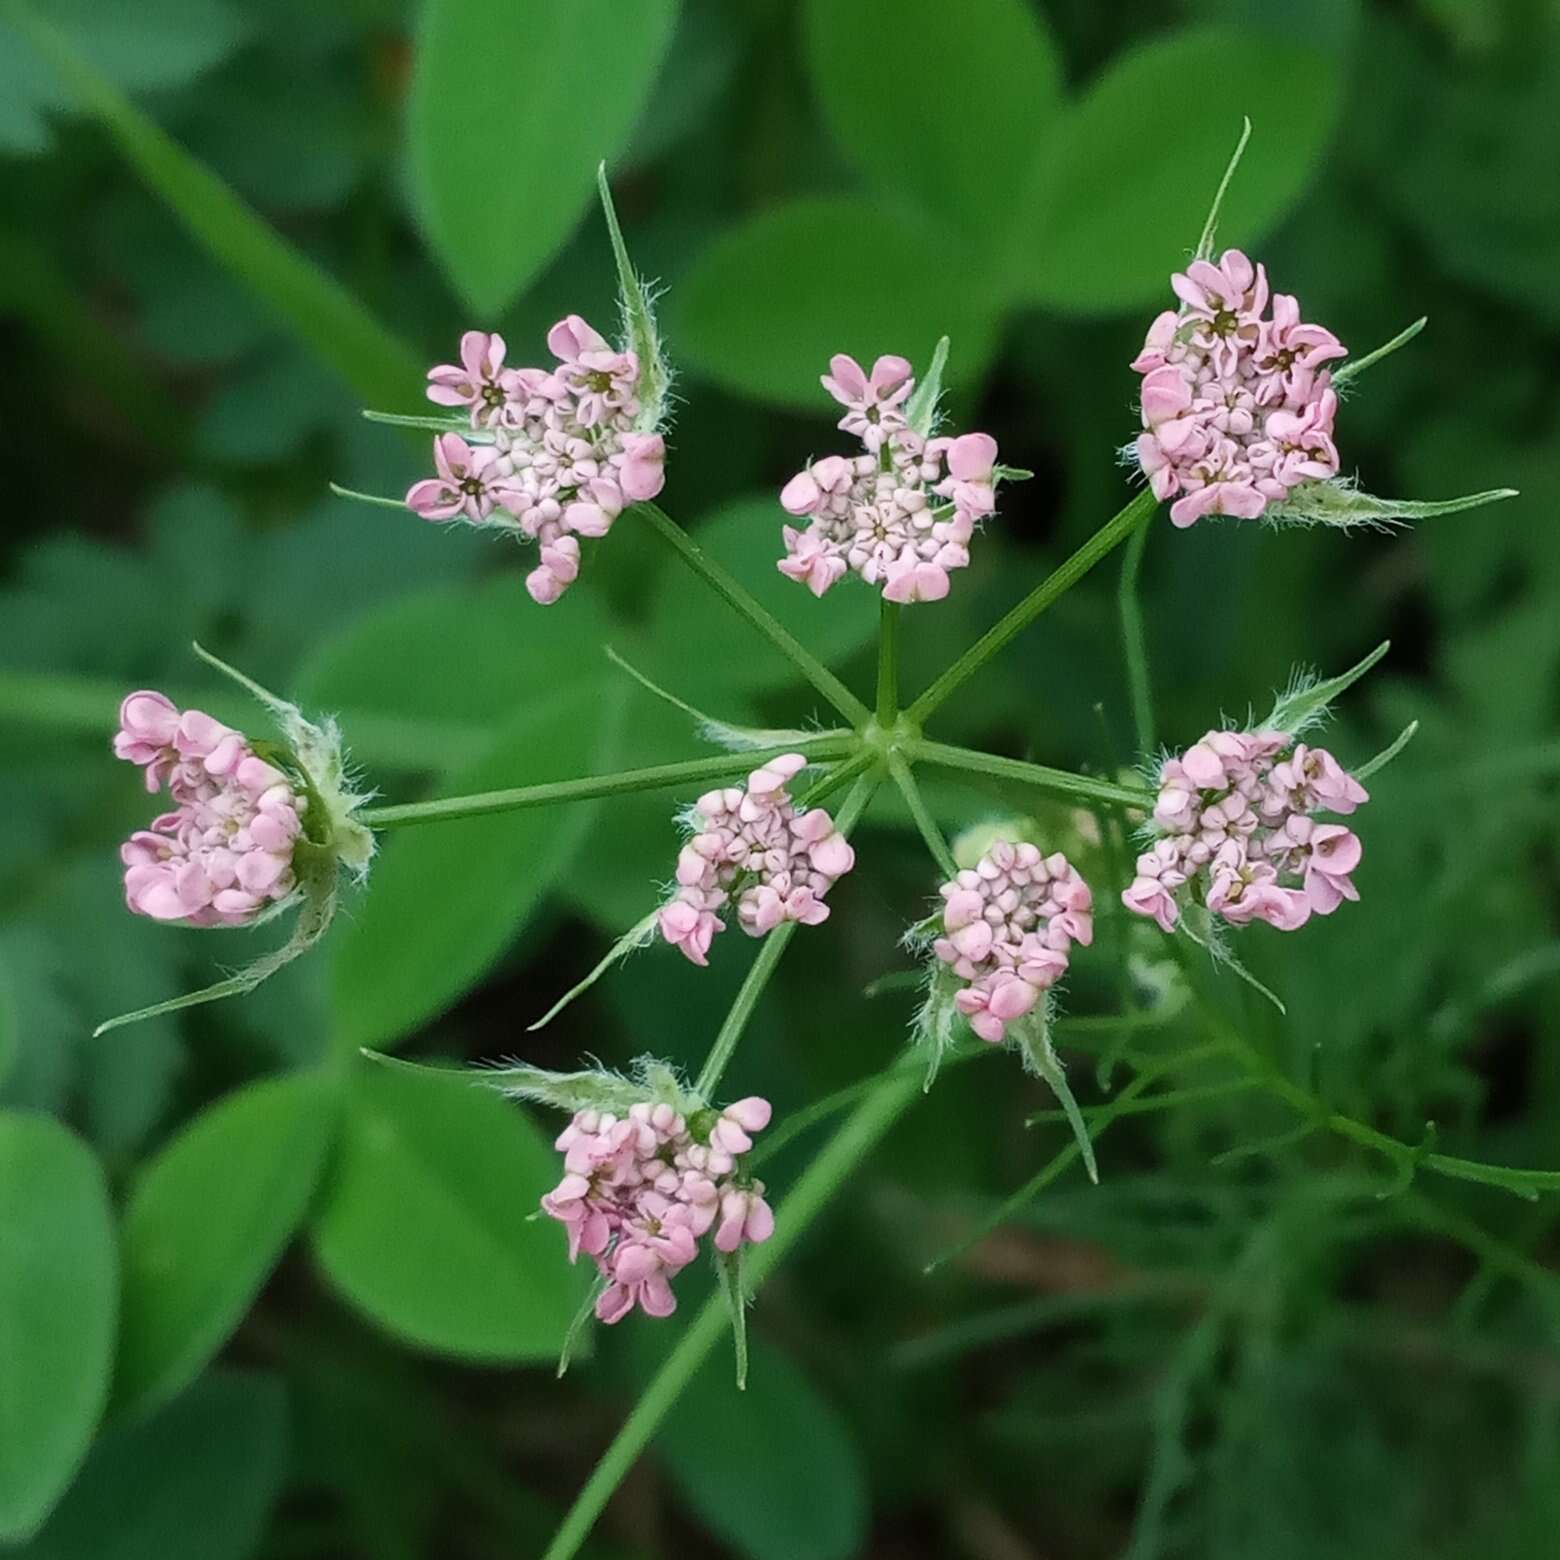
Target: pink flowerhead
[1234, 813]
[555, 453]
[749, 842]
[641, 1189]
[224, 855]
[1008, 925]
[1237, 408]
[901, 515]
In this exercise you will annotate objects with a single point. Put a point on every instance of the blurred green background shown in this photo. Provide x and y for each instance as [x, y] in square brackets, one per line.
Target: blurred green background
[299, 1303]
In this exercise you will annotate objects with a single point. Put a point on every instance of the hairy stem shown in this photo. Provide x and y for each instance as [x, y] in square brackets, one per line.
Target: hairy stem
[1135, 643]
[835, 1164]
[924, 821]
[1054, 585]
[1055, 782]
[736, 596]
[716, 767]
[768, 960]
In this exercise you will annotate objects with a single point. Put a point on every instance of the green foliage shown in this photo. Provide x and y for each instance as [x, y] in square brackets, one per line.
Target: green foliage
[428, 1223]
[1275, 1327]
[898, 82]
[138, 44]
[783, 1437]
[195, 1482]
[206, 1223]
[772, 299]
[691, 633]
[328, 319]
[1106, 218]
[446, 901]
[449, 654]
[560, 83]
[59, 1287]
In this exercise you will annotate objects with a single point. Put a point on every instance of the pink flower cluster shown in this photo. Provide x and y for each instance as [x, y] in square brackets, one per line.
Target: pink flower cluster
[226, 851]
[1237, 407]
[1235, 817]
[749, 843]
[1008, 925]
[556, 453]
[640, 1191]
[902, 514]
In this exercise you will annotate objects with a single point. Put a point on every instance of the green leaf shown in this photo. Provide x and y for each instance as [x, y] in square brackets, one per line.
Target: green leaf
[451, 654]
[771, 1471]
[1125, 179]
[512, 107]
[938, 59]
[427, 1222]
[195, 1482]
[206, 1223]
[697, 641]
[770, 301]
[445, 900]
[58, 1293]
[319, 311]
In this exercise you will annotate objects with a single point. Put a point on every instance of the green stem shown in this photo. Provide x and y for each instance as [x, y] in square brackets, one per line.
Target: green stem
[841, 775]
[737, 597]
[1064, 1157]
[1135, 643]
[768, 960]
[1057, 583]
[1056, 782]
[836, 1164]
[446, 808]
[924, 821]
[1406, 1157]
[741, 1010]
[888, 664]
[1169, 1100]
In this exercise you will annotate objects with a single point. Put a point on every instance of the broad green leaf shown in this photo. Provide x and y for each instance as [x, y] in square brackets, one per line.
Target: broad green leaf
[471, 655]
[512, 107]
[58, 1292]
[427, 1220]
[770, 301]
[772, 1471]
[206, 1223]
[324, 316]
[444, 900]
[195, 1482]
[1127, 176]
[980, 88]
[698, 642]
